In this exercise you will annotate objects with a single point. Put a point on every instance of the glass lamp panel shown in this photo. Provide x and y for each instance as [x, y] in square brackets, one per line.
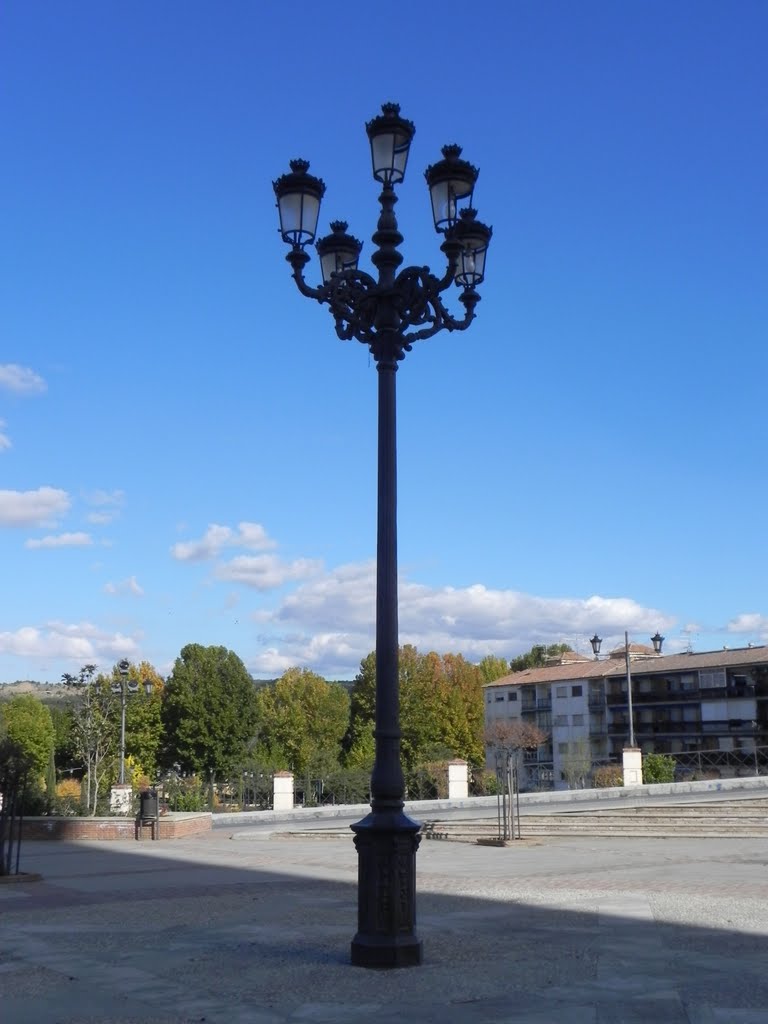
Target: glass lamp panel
[299, 213]
[449, 198]
[389, 152]
[336, 262]
[471, 269]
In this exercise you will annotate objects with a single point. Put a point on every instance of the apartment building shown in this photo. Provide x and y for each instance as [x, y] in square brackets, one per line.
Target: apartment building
[708, 703]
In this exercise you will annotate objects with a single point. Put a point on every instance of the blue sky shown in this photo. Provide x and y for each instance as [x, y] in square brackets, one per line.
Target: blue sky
[188, 453]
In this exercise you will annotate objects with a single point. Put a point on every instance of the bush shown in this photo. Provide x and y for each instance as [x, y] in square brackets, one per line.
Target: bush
[658, 768]
[67, 802]
[483, 783]
[607, 775]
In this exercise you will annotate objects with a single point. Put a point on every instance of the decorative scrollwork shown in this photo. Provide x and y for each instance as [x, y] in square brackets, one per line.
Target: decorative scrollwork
[383, 317]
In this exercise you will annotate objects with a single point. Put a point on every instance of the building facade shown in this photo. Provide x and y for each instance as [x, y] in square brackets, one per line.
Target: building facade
[709, 710]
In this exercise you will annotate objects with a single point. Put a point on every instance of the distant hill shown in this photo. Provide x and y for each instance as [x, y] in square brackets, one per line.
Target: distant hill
[43, 691]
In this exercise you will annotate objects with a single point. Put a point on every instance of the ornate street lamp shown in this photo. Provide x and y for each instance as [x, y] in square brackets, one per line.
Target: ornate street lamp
[125, 686]
[388, 314]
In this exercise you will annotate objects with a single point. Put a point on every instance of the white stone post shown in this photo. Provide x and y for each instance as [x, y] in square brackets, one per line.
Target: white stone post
[120, 798]
[282, 791]
[458, 780]
[632, 761]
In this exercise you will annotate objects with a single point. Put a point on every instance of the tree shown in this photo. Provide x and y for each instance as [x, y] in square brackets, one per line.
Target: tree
[27, 721]
[143, 718]
[441, 707]
[538, 655]
[208, 711]
[512, 735]
[302, 721]
[64, 751]
[94, 731]
[577, 763]
[493, 668]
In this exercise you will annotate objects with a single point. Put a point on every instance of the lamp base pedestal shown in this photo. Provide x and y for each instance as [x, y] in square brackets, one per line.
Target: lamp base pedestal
[386, 846]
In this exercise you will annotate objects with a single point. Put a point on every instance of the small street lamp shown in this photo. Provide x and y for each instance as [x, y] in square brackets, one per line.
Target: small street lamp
[388, 314]
[125, 686]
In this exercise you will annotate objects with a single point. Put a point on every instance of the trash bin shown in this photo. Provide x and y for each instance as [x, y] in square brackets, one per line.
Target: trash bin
[148, 806]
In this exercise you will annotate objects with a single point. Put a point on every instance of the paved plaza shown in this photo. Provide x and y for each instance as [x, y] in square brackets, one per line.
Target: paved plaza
[247, 927]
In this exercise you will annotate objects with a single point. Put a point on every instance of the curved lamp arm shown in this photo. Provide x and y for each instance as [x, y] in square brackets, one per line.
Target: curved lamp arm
[298, 260]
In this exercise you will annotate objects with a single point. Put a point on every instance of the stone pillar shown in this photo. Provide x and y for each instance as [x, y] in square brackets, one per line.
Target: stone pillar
[282, 791]
[458, 780]
[120, 798]
[632, 762]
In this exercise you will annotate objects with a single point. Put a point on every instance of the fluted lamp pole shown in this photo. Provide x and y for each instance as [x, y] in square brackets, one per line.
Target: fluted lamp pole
[388, 313]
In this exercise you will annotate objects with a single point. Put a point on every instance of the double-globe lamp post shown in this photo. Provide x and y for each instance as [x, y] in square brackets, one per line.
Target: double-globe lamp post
[657, 640]
[125, 686]
[388, 314]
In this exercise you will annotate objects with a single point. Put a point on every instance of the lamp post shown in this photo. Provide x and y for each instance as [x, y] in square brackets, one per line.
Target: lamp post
[388, 314]
[657, 640]
[124, 685]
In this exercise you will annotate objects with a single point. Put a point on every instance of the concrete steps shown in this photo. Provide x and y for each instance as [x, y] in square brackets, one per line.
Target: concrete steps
[746, 818]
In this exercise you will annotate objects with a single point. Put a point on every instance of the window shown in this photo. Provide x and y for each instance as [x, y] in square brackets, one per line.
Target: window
[561, 720]
[512, 695]
[499, 696]
[562, 748]
[576, 691]
[578, 719]
[562, 691]
[712, 679]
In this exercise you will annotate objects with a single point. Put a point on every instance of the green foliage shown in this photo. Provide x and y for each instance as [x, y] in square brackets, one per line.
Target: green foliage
[348, 786]
[186, 794]
[441, 704]
[658, 768]
[143, 718]
[302, 721]
[208, 711]
[493, 668]
[63, 743]
[537, 656]
[607, 775]
[27, 721]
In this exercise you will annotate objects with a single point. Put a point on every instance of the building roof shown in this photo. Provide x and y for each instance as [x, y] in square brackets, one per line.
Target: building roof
[653, 664]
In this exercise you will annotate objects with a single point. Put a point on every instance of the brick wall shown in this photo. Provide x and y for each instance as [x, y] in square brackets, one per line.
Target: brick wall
[172, 826]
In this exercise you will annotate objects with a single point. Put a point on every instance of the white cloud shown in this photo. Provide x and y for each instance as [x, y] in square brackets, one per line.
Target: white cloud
[61, 540]
[110, 498]
[33, 508]
[129, 586]
[108, 504]
[20, 379]
[251, 536]
[750, 622]
[5, 441]
[80, 643]
[266, 572]
[329, 622]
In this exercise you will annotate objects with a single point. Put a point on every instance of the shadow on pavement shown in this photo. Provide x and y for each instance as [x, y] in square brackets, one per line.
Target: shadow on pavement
[258, 931]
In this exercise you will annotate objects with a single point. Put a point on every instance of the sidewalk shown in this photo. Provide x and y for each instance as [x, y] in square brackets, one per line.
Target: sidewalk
[256, 930]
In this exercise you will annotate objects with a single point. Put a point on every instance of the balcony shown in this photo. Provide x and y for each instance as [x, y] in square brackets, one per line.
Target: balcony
[544, 704]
